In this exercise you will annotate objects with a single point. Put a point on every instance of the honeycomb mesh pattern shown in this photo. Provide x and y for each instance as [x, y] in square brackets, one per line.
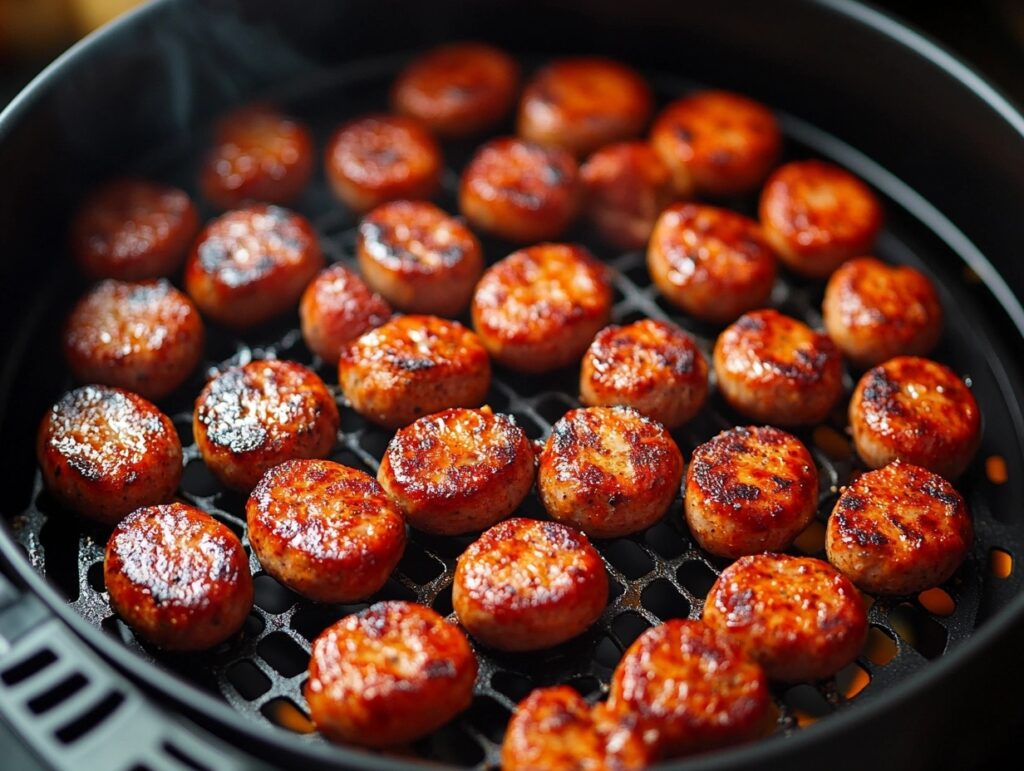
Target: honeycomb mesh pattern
[655, 575]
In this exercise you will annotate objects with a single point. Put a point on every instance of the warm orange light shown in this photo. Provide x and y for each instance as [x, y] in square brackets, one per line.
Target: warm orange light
[1001, 563]
[879, 648]
[937, 601]
[831, 442]
[995, 469]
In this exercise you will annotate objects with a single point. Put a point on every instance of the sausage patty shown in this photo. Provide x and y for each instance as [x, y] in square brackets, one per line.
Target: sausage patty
[336, 308]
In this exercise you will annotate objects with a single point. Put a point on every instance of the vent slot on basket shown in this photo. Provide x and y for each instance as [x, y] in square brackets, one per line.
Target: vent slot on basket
[91, 719]
[33, 665]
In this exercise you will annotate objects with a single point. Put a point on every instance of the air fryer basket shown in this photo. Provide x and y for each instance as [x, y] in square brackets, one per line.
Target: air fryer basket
[192, 60]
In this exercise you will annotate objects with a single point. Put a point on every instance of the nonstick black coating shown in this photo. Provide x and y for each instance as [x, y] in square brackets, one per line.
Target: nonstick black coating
[165, 103]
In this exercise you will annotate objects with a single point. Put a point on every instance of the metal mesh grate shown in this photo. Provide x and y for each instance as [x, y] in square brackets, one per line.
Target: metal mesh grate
[655, 575]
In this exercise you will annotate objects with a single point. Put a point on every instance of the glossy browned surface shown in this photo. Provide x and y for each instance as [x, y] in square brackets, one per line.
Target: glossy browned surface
[250, 418]
[875, 311]
[750, 489]
[626, 185]
[459, 470]
[693, 687]
[555, 729]
[251, 265]
[899, 530]
[388, 675]
[775, 369]
[653, 366]
[325, 530]
[132, 229]
[258, 155]
[716, 142]
[419, 258]
[526, 585]
[104, 452]
[539, 308]
[816, 215]
[798, 617]
[520, 190]
[146, 337]
[608, 471]
[458, 89]
[582, 103]
[916, 410]
[414, 366]
[336, 308]
[178, 577]
[712, 263]
[382, 158]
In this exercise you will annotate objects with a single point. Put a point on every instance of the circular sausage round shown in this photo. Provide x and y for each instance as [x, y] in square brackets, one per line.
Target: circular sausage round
[526, 585]
[248, 419]
[716, 142]
[382, 158]
[652, 366]
[389, 675]
[104, 452]
[419, 258]
[325, 530]
[749, 490]
[539, 308]
[609, 471]
[178, 577]
[775, 369]
[414, 366]
[874, 311]
[132, 229]
[258, 155]
[458, 89]
[899, 530]
[146, 337]
[458, 471]
[798, 617]
[582, 103]
[520, 191]
[336, 308]
[711, 263]
[251, 265]
[816, 216]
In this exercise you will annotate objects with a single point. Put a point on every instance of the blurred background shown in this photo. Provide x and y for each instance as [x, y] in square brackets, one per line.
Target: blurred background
[988, 33]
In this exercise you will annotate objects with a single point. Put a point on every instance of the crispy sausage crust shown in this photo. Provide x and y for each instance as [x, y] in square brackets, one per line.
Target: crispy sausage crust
[916, 410]
[775, 369]
[556, 730]
[419, 258]
[104, 452]
[458, 89]
[582, 103]
[651, 366]
[251, 265]
[816, 216]
[899, 530]
[750, 489]
[539, 308]
[520, 190]
[336, 308]
[382, 158]
[716, 142]
[414, 366]
[693, 687]
[325, 530]
[132, 229]
[458, 471]
[626, 185]
[712, 263]
[258, 155]
[609, 471]
[146, 337]
[526, 585]
[798, 617]
[389, 675]
[874, 311]
[251, 418]
[178, 577]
